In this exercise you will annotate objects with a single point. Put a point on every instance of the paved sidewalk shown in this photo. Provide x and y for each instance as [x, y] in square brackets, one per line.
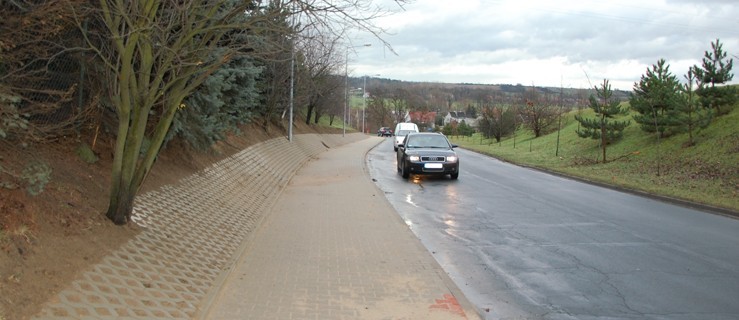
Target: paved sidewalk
[332, 247]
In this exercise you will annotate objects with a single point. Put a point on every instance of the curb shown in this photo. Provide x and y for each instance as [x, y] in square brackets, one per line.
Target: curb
[467, 307]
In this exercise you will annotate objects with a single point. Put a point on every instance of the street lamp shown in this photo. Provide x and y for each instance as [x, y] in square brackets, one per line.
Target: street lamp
[364, 101]
[292, 82]
[346, 85]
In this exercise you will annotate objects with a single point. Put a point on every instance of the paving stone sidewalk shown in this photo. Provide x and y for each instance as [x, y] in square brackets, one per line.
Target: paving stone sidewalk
[192, 231]
[332, 247]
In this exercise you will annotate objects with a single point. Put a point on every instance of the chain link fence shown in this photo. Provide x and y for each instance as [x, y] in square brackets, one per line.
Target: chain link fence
[46, 89]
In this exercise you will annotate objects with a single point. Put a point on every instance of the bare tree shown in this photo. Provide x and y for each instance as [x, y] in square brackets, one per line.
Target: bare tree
[399, 103]
[320, 65]
[378, 111]
[497, 121]
[158, 52]
[537, 113]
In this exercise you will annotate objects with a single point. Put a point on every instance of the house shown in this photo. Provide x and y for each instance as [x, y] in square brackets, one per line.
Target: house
[422, 119]
[458, 117]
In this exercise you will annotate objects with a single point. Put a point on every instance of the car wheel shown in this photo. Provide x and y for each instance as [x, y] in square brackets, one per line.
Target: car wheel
[454, 175]
[404, 172]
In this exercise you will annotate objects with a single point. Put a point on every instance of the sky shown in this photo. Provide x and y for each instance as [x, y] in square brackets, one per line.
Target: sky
[570, 44]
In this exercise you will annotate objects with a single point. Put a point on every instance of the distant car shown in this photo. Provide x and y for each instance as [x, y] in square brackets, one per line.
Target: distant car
[427, 153]
[399, 136]
[384, 132]
[402, 129]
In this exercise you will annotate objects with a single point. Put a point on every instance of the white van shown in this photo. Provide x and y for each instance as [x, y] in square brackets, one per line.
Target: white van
[401, 129]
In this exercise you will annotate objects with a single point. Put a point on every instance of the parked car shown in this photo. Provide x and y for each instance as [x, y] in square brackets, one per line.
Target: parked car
[401, 129]
[384, 132]
[427, 153]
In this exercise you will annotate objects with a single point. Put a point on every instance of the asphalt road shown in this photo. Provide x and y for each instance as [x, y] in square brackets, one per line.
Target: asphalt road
[522, 244]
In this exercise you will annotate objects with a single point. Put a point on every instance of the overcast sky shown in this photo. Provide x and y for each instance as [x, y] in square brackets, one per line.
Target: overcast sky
[546, 43]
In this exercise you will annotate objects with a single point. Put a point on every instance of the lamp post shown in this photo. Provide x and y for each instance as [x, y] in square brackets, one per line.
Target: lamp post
[346, 85]
[292, 81]
[364, 101]
[292, 92]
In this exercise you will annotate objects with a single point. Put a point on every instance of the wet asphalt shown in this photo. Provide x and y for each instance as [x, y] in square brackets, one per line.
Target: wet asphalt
[522, 244]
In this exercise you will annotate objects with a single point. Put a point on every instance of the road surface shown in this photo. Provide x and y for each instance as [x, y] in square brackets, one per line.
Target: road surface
[523, 244]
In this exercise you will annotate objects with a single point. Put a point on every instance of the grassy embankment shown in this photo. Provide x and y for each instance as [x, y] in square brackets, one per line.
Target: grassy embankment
[354, 103]
[324, 121]
[706, 173]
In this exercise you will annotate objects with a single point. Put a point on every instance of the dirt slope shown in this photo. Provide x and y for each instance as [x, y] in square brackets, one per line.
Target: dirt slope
[45, 240]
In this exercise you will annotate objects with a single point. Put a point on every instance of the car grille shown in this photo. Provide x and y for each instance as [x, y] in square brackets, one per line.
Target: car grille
[434, 158]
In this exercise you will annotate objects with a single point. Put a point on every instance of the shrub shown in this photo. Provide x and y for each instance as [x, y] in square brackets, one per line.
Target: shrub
[10, 119]
[86, 154]
[36, 175]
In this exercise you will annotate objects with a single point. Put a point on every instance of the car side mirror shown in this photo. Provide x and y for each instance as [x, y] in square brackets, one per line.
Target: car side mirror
[400, 145]
[454, 146]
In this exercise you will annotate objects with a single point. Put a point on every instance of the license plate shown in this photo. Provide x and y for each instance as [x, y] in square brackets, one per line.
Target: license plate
[433, 165]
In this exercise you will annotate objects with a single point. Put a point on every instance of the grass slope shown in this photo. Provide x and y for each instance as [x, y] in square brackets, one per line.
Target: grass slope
[706, 173]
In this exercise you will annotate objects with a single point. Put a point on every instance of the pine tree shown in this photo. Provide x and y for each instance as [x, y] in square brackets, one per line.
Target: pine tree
[716, 70]
[464, 129]
[656, 98]
[603, 126]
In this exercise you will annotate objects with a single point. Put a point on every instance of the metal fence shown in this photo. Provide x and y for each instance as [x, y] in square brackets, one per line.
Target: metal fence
[45, 89]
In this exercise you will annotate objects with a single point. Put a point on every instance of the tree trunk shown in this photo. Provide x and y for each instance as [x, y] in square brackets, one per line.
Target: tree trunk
[603, 138]
[121, 206]
[309, 113]
[122, 191]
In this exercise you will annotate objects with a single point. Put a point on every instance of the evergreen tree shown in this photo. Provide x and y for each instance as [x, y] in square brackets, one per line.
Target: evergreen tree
[603, 127]
[656, 98]
[227, 99]
[716, 70]
[464, 129]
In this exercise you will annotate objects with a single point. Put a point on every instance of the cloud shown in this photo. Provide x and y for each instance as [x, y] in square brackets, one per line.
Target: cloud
[547, 42]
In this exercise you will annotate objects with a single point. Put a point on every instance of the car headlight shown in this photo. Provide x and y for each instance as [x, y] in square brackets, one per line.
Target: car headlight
[414, 158]
[451, 159]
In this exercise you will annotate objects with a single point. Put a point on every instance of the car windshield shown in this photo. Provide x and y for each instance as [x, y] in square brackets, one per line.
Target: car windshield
[403, 132]
[427, 141]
